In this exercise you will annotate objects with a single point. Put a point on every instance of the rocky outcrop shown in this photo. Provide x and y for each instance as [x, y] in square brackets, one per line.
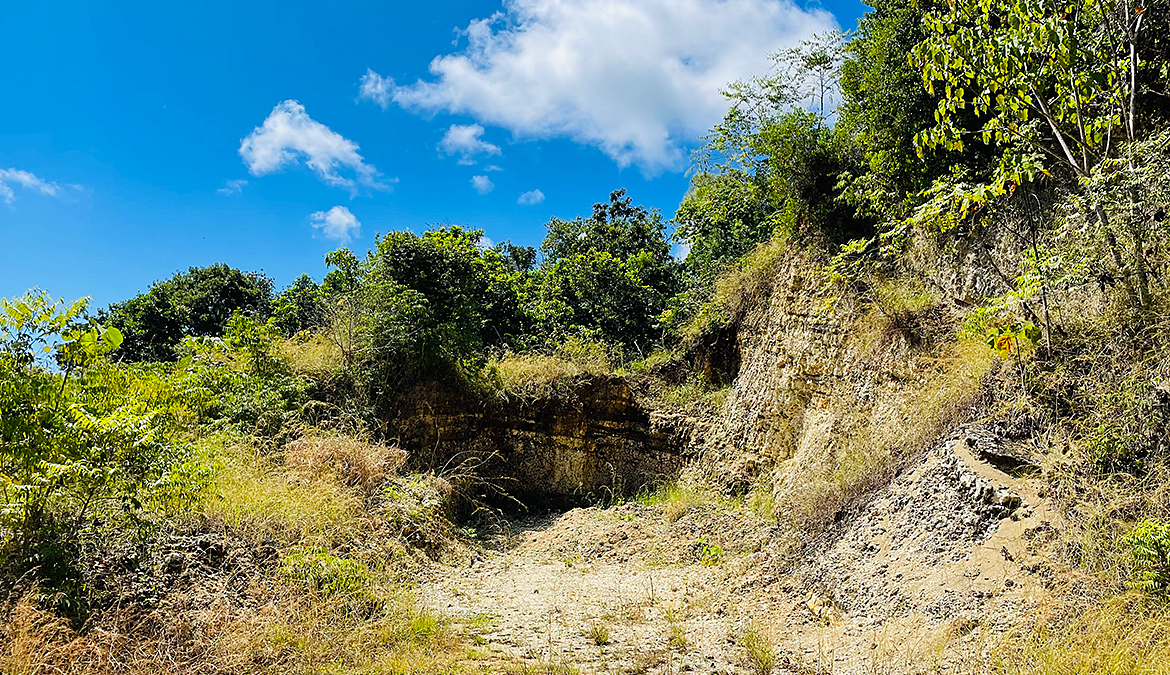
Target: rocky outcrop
[589, 440]
[819, 371]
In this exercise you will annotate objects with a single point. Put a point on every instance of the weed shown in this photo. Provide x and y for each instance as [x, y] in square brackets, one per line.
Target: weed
[599, 634]
[758, 645]
[708, 554]
[678, 638]
[258, 499]
[320, 570]
[677, 499]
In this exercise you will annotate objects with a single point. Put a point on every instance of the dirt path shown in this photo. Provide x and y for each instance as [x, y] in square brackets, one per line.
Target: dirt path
[923, 579]
[619, 590]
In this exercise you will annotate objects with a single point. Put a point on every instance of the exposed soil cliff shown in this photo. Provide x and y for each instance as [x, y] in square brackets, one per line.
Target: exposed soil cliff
[590, 439]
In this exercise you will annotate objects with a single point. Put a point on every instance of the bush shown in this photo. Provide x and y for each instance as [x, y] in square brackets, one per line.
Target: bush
[1149, 544]
[91, 444]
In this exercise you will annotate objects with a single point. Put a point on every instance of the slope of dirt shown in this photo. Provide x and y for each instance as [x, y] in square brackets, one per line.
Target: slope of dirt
[923, 578]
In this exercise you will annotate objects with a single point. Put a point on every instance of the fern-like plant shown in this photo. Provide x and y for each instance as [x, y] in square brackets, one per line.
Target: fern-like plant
[1149, 544]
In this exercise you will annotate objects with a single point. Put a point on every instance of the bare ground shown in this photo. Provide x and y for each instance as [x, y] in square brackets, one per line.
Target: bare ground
[926, 577]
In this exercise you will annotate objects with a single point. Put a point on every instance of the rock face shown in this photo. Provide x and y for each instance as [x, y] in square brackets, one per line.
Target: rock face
[833, 390]
[589, 441]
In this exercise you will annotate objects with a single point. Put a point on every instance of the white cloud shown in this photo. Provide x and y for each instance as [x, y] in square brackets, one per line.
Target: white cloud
[337, 223]
[232, 187]
[482, 184]
[485, 242]
[466, 141]
[289, 136]
[376, 88]
[26, 180]
[493, 167]
[638, 79]
[530, 198]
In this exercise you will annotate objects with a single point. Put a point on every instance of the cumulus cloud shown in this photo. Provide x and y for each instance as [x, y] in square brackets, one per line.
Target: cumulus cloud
[638, 79]
[493, 167]
[466, 140]
[26, 180]
[337, 223]
[289, 136]
[232, 187]
[530, 198]
[482, 184]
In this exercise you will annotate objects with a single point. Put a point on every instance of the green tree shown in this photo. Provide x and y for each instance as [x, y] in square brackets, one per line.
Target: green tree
[298, 307]
[1056, 84]
[435, 301]
[771, 165]
[721, 218]
[197, 302]
[610, 273]
[617, 227]
[597, 294]
[884, 106]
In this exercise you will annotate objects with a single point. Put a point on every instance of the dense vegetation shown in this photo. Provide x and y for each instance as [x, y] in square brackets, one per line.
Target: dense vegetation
[1033, 133]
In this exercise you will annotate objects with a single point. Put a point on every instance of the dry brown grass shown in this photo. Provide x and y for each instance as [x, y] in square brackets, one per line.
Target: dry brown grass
[536, 373]
[739, 289]
[260, 499]
[314, 355]
[351, 461]
[291, 631]
[1128, 635]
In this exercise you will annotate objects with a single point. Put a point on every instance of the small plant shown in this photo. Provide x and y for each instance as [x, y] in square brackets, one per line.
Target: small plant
[599, 634]
[1149, 544]
[761, 654]
[318, 569]
[709, 554]
[678, 638]
[253, 340]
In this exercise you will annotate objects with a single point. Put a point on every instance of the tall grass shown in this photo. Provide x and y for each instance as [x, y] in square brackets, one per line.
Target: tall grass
[1128, 635]
[740, 288]
[539, 373]
[335, 601]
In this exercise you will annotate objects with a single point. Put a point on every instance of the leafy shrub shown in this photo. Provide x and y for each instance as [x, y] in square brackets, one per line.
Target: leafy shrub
[93, 443]
[254, 340]
[1149, 544]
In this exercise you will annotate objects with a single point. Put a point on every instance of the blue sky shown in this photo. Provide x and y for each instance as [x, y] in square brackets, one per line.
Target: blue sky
[138, 138]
